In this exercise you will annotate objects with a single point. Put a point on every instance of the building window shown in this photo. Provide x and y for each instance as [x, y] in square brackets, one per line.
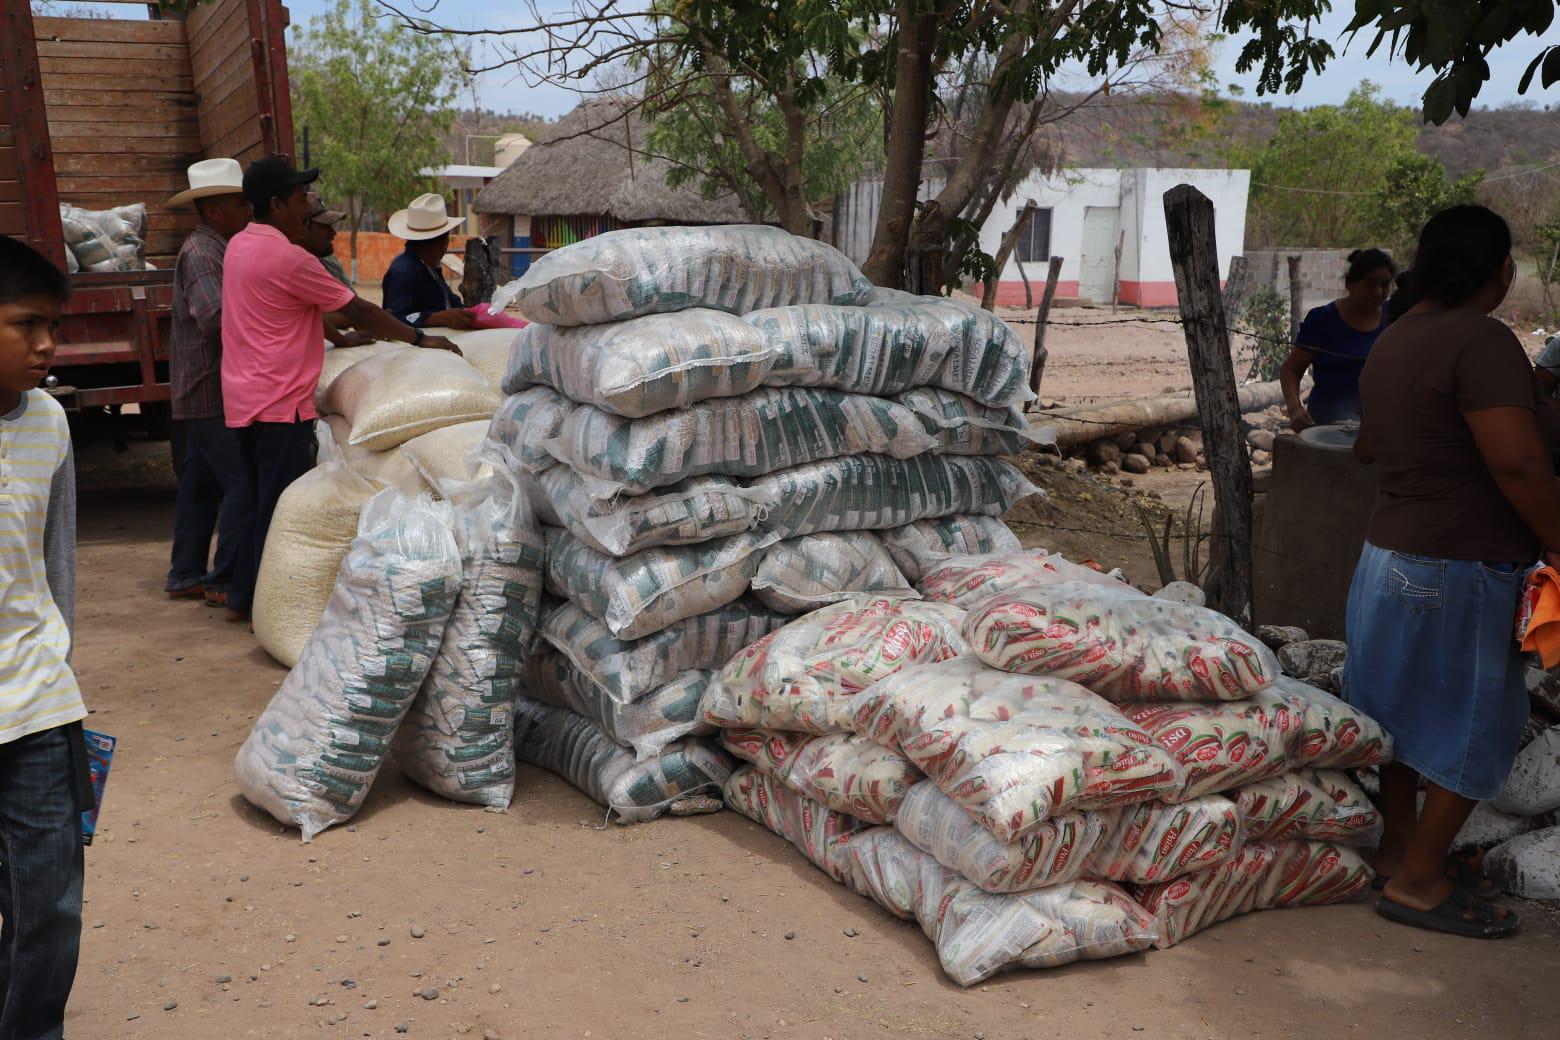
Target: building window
[1034, 242]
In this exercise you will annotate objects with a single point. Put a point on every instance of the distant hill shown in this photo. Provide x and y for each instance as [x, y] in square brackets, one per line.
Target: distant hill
[1161, 130]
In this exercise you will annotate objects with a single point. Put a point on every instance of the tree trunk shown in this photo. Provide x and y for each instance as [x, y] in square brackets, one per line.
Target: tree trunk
[354, 252]
[1004, 252]
[1194, 254]
[906, 145]
[1097, 421]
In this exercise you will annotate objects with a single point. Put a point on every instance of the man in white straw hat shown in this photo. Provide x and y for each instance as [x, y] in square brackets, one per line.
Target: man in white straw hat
[414, 287]
[212, 488]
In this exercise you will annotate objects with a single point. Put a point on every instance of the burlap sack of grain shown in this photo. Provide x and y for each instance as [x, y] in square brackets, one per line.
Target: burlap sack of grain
[746, 436]
[384, 469]
[802, 574]
[458, 738]
[657, 270]
[1310, 804]
[486, 350]
[641, 594]
[917, 547]
[645, 365]
[872, 492]
[688, 512]
[977, 933]
[964, 426]
[575, 748]
[1259, 876]
[647, 725]
[802, 677]
[390, 398]
[525, 422]
[1013, 750]
[966, 581]
[842, 771]
[817, 832]
[315, 750]
[628, 670]
[339, 359]
[445, 458]
[1123, 645]
[991, 364]
[314, 525]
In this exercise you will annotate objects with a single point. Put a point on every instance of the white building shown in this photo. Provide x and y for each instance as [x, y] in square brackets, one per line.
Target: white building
[462, 182]
[1082, 216]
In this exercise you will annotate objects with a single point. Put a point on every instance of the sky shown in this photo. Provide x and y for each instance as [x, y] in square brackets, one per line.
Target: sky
[503, 91]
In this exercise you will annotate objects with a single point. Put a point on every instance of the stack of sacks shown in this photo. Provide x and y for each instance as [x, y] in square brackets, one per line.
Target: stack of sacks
[1103, 767]
[394, 417]
[420, 648]
[715, 424]
[1204, 693]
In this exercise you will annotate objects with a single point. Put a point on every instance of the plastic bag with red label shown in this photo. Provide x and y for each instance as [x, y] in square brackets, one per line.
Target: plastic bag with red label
[1333, 734]
[1013, 750]
[1259, 876]
[1225, 745]
[965, 581]
[1057, 851]
[803, 676]
[977, 933]
[1155, 841]
[1121, 644]
[819, 833]
[847, 773]
[1314, 804]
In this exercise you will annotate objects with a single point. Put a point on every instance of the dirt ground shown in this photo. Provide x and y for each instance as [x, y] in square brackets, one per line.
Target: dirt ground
[206, 920]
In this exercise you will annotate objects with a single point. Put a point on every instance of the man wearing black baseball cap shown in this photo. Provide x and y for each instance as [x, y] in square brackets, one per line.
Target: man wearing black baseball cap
[275, 294]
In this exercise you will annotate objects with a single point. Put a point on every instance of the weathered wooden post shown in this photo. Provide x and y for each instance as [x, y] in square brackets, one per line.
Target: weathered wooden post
[1296, 297]
[1194, 255]
[482, 269]
[1042, 314]
[1237, 286]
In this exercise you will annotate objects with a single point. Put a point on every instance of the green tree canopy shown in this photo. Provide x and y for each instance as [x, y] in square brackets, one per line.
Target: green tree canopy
[375, 96]
[1315, 182]
[1414, 189]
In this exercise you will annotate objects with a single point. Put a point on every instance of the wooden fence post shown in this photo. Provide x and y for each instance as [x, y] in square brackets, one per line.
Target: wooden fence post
[1237, 286]
[1194, 255]
[1043, 314]
[1296, 297]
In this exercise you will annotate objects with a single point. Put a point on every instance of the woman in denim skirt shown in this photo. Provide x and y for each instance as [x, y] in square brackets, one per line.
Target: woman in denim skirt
[1467, 500]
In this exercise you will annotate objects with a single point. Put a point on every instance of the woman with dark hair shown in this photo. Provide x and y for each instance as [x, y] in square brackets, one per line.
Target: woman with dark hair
[1467, 500]
[1334, 341]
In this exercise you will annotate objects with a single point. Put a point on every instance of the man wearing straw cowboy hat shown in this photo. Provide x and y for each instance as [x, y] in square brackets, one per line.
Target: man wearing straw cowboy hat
[212, 488]
[414, 288]
[274, 299]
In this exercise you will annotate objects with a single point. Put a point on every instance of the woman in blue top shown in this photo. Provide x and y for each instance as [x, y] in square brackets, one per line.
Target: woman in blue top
[1334, 341]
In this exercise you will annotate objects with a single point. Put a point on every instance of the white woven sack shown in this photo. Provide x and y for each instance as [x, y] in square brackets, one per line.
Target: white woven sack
[384, 469]
[315, 521]
[392, 397]
[339, 359]
[314, 752]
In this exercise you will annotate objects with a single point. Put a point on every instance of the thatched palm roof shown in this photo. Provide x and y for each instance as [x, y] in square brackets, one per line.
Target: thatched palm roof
[586, 166]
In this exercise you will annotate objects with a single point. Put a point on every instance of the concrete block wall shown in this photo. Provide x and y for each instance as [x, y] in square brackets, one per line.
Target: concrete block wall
[1321, 272]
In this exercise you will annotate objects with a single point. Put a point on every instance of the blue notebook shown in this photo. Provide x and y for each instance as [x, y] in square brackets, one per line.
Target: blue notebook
[100, 753]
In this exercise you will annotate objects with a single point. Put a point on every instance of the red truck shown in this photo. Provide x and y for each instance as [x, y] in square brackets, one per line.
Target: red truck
[103, 112]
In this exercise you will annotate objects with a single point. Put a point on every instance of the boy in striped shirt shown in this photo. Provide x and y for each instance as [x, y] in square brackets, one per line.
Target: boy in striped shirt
[42, 756]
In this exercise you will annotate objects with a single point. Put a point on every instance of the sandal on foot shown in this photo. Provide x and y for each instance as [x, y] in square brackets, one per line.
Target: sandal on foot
[216, 597]
[1458, 914]
[237, 616]
[189, 592]
[1461, 871]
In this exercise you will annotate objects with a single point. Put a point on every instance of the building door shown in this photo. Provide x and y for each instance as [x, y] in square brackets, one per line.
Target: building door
[1097, 266]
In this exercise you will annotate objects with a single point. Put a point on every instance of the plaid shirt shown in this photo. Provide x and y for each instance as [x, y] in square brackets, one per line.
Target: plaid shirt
[195, 351]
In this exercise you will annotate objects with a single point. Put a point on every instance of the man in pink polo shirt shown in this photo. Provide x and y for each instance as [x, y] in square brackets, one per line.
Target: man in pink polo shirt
[274, 296]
